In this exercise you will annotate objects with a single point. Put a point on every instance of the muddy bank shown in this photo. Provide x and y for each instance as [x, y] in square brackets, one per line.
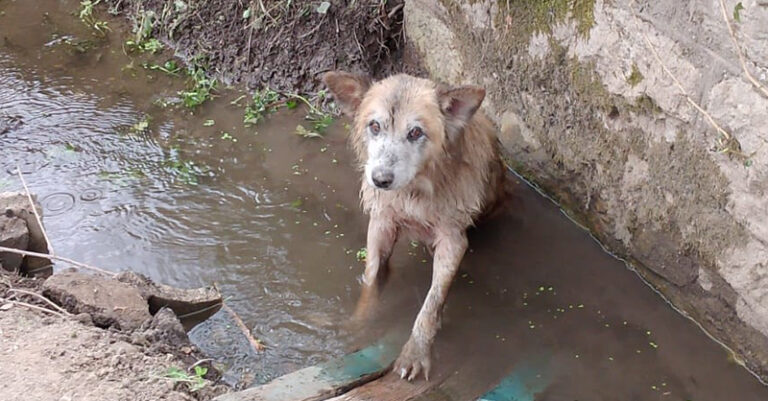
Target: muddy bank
[284, 45]
[588, 112]
[53, 356]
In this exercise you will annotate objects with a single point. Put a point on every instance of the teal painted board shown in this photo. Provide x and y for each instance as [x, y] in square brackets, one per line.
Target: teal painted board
[529, 378]
[326, 380]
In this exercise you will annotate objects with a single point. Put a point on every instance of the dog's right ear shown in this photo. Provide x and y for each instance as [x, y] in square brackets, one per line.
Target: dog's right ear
[348, 89]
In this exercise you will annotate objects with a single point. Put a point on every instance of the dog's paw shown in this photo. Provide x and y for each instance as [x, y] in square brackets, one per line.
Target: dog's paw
[413, 360]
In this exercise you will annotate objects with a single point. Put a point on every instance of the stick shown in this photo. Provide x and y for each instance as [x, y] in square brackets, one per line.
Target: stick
[35, 307]
[44, 299]
[693, 103]
[49, 244]
[63, 259]
[742, 59]
[256, 344]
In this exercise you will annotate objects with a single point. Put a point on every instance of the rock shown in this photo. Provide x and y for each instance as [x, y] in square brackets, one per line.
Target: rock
[15, 209]
[166, 328]
[110, 303]
[13, 234]
[192, 306]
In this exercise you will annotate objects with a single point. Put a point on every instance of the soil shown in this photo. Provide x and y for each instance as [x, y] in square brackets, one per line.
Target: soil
[47, 357]
[285, 45]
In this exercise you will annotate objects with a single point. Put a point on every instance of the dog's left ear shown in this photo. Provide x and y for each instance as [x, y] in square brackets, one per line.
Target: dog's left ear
[348, 89]
[459, 105]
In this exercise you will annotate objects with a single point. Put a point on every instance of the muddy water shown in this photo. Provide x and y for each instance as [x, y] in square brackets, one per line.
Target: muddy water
[272, 218]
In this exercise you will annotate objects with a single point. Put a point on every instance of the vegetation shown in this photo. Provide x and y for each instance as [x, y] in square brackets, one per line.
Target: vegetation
[195, 381]
[86, 15]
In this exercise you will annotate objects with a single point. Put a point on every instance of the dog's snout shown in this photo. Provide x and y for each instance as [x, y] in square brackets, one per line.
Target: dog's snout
[382, 178]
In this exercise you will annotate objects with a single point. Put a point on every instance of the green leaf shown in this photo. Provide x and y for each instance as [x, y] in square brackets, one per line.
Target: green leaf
[200, 371]
[323, 7]
[301, 131]
[736, 10]
[247, 13]
[291, 104]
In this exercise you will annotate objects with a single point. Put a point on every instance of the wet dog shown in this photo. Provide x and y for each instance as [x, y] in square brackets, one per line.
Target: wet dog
[431, 168]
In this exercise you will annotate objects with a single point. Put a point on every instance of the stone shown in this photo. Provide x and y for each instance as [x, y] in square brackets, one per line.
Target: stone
[192, 306]
[109, 302]
[13, 234]
[15, 206]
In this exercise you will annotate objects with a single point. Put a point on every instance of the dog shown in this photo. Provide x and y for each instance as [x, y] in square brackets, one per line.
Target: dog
[431, 168]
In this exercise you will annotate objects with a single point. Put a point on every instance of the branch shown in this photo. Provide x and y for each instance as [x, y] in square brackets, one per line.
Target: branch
[54, 257]
[48, 244]
[742, 59]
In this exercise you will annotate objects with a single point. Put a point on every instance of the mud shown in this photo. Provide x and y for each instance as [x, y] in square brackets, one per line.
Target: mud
[47, 357]
[284, 45]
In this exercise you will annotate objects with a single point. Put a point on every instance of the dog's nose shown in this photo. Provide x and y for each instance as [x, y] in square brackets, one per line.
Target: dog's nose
[382, 179]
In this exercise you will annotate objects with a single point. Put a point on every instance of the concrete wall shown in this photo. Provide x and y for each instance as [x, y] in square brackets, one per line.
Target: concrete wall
[587, 112]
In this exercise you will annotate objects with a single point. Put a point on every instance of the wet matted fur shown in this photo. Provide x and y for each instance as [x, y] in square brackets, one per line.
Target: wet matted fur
[431, 167]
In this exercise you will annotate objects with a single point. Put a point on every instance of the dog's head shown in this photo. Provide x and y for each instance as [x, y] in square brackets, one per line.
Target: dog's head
[402, 123]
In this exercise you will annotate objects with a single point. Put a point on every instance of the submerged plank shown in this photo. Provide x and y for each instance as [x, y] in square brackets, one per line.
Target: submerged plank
[528, 377]
[321, 382]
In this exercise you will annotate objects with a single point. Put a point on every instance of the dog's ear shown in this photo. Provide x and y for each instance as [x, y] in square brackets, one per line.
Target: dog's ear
[347, 88]
[459, 105]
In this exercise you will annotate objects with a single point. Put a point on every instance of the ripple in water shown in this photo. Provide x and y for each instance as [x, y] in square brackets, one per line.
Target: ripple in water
[58, 203]
[91, 194]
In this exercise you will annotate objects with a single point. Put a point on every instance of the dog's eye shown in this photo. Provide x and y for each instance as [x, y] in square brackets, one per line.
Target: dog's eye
[415, 133]
[374, 127]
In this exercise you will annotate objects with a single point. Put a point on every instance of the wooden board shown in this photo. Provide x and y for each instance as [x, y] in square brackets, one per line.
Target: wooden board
[460, 379]
[324, 381]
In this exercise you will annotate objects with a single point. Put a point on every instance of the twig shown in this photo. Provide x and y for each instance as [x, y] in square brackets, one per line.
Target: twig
[63, 259]
[198, 363]
[48, 244]
[35, 307]
[256, 344]
[42, 298]
[693, 103]
[742, 59]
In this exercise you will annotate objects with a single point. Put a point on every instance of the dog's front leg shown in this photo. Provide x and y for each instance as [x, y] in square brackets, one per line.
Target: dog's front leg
[415, 356]
[382, 234]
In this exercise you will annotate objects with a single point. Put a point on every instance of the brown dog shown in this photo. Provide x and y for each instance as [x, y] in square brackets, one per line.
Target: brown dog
[431, 167]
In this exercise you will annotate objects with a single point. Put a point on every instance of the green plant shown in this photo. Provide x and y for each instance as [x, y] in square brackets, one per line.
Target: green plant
[195, 381]
[202, 87]
[142, 125]
[86, 15]
[169, 67]
[262, 102]
[362, 254]
[185, 171]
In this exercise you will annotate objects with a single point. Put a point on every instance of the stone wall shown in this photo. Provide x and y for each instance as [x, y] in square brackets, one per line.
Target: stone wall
[588, 112]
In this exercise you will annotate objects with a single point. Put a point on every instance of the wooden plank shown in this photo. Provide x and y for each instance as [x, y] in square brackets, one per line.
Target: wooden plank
[321, 382]
[529, 377]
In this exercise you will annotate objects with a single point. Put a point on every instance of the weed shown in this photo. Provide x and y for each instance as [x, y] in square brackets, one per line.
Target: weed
[635, 76]
[362, 254]
[195, 381]
[86, 15]
[151, 45]
[262, 102]
[142, 125]
[202, 86]
[169, 67]
[227, 137]
[185, 171]
[736, 11]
